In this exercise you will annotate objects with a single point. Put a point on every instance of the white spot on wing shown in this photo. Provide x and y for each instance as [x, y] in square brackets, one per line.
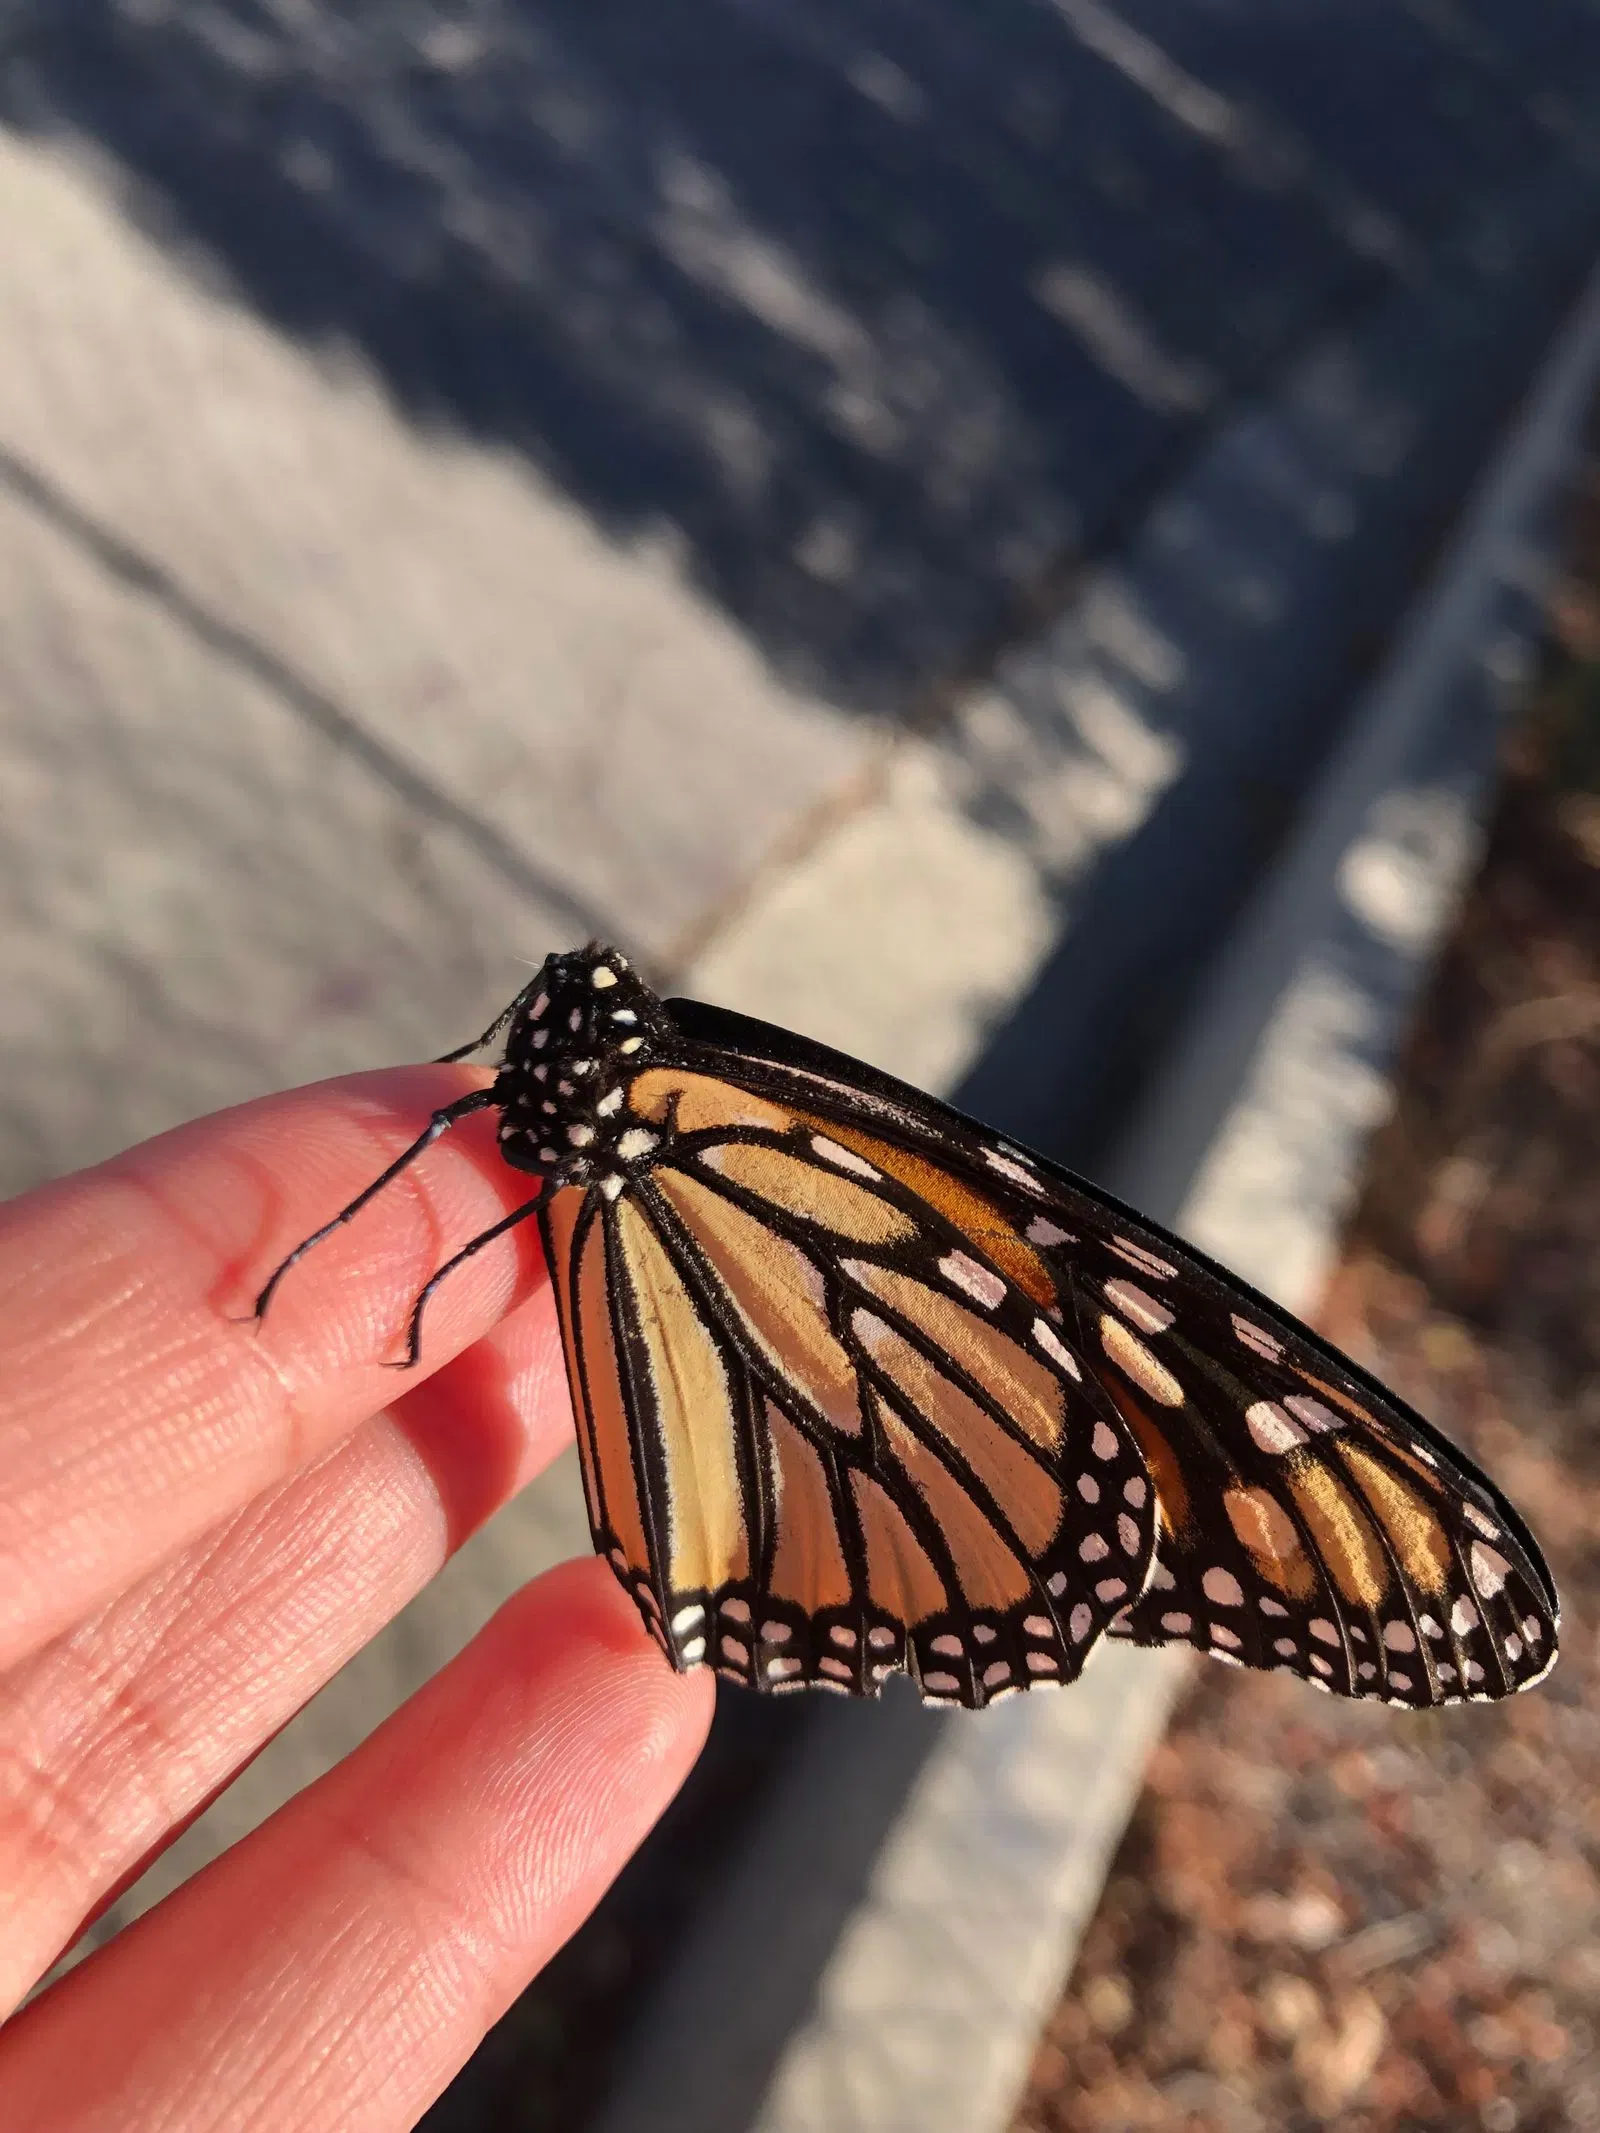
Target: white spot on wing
[1489, 1568]
[1042, 1231]
[601, 978]
[1222, 1588]
[1104, 1442]
[635, 1142]
[1057, 1350]
[1146, 1262]
[1256, 1338]
[976, 1281]
[1139, 1306]
[1009, 1168]
[1271, 1427]
[1312, 1413]
[843, 1158]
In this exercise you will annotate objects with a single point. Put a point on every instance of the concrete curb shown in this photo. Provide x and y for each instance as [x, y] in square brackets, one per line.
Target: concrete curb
[932, 1986]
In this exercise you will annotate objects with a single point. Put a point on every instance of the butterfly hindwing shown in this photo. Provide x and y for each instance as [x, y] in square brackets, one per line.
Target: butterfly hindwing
[857, 1442]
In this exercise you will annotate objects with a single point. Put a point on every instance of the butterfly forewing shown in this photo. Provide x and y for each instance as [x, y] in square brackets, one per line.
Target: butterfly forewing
[1308, 1521]
[1308, 1525]
[863, 1444]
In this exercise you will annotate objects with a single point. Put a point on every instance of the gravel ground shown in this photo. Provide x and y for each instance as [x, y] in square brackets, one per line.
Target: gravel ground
[1322, 1914]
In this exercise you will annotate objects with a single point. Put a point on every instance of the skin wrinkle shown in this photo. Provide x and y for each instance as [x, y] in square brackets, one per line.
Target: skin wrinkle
[346, 1946]
[119, 1731]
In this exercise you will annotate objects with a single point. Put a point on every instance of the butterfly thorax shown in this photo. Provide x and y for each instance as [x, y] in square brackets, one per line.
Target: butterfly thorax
[578, 1036]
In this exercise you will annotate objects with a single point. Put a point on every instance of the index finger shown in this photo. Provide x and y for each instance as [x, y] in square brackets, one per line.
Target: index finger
[136, 1409]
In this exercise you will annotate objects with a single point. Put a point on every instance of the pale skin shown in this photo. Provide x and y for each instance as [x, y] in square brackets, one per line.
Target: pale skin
[199, 1523]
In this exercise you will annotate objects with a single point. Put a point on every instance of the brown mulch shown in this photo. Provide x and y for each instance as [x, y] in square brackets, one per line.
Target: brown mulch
[1324, 1913]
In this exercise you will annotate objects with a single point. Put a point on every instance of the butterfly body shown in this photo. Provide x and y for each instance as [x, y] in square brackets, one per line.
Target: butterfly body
[574, 1039]
[861, 1387]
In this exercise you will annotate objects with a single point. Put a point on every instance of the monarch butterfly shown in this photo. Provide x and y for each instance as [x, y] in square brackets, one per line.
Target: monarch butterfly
[862, 1387]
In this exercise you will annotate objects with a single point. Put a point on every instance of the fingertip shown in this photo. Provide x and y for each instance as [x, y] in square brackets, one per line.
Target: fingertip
[582, 1606]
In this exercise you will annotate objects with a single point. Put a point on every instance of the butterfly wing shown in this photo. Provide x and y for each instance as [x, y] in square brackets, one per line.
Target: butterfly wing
[1308, 1519]
[825, 1433]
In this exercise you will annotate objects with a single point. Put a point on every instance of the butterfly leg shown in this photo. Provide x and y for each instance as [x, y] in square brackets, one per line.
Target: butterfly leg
[441, 1122]
[467, 1251]
[465, 1051]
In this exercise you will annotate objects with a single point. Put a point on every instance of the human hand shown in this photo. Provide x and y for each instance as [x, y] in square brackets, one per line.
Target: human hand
[198, 1526]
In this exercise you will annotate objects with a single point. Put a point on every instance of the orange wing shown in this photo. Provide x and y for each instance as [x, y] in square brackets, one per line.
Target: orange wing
[830, 1418]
